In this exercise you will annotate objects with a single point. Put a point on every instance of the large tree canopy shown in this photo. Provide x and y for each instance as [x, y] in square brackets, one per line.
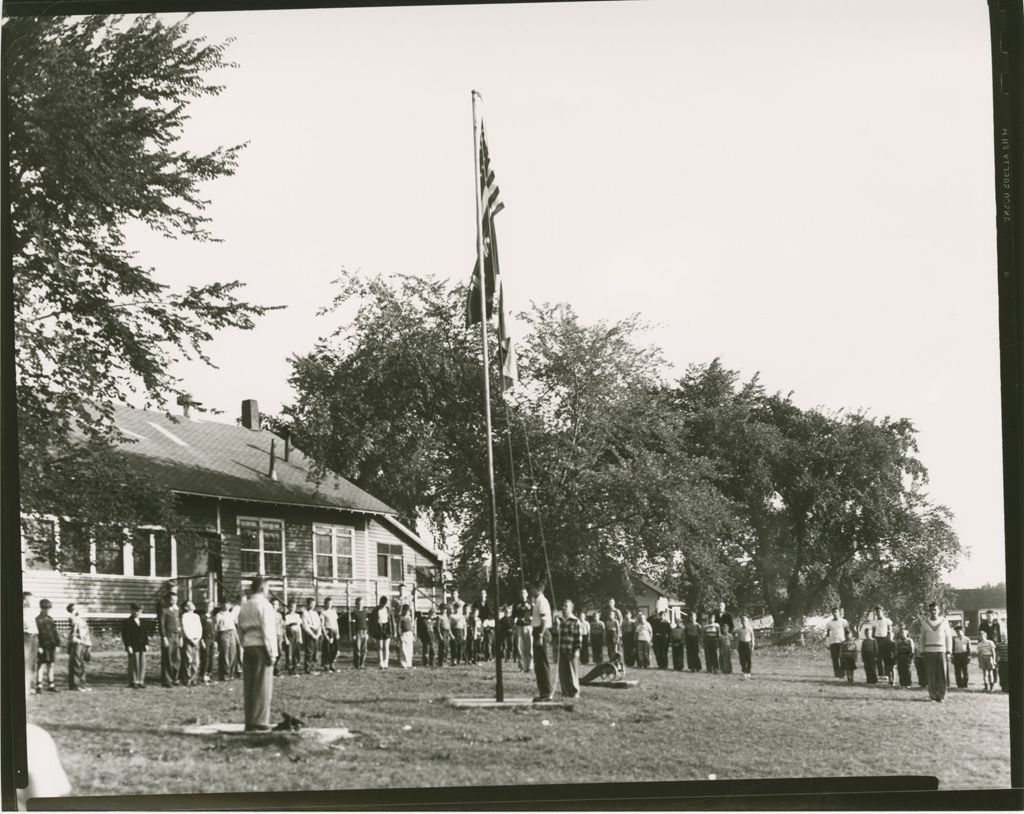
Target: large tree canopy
[714, 487]
[96, 109]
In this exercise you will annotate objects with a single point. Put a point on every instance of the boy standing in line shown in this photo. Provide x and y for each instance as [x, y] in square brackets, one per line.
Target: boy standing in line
[49, 641]
[629, 639]
[168, 628]
[312, 631]
[848, 656]
[903, 647]
[986, 660]
[869, 654]
[711, 630]
[1003, 663]
[443, 633]
[293, 637]
[192, 634]
[961, 655]
[569, 643]
[425, 633]
[644, 635]
[208, 644]
[136, 640]
[360, 633]
[745, 645]
[227, 636]
[331, 630]
[597, 639]
[79, 644]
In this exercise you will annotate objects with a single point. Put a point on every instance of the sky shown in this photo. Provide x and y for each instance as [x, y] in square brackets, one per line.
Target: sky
[802, 189]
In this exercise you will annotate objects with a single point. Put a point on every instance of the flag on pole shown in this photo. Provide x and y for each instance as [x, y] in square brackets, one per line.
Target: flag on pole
[490, 206]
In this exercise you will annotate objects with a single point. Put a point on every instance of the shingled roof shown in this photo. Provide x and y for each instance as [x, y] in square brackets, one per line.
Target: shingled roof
[981, 598]
[202, 457]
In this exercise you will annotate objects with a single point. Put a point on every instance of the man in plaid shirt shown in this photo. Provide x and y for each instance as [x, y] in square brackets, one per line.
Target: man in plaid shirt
[569, 642]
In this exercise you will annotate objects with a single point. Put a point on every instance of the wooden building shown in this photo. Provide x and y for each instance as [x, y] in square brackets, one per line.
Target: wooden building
[251, 507]
[974, 602]
[650, 598]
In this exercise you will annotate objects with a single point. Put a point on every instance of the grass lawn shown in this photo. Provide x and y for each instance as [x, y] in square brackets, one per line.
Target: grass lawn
[791, 720]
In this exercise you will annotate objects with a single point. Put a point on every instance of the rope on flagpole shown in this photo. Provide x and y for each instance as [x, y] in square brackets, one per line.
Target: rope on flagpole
[512, 481]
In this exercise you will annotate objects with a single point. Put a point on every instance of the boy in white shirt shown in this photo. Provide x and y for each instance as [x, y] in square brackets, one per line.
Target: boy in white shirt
[192, 633]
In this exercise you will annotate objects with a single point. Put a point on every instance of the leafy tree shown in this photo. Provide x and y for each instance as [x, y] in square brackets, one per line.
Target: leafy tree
[96, 108]
[834, 505]
[393, 400]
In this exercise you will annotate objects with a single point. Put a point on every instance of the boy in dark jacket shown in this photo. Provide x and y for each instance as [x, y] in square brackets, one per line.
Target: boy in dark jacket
[869, 654]
[136, 640]
[49, 641]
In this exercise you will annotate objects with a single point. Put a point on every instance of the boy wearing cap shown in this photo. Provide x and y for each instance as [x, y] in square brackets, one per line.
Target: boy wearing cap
[136, 640]
[961, 655]
[49, 641]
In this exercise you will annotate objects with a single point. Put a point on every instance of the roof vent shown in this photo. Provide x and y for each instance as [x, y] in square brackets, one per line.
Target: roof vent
[251, 414]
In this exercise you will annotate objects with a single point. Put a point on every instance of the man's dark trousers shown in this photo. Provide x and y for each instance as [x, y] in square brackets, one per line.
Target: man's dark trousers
[834, 650]
[540, 664]
[170, 661]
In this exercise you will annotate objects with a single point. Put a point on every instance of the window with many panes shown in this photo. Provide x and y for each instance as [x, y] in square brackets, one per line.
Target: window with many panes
[332, 551]
[151, 553]
[262, 545]
[389, 561]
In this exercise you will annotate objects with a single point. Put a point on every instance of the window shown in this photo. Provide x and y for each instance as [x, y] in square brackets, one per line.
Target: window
[38, 543]
[108, 551]
[74, 547]
[389, 561]
[152, 554]
[332, 551]
[262, 546]
[428, 575]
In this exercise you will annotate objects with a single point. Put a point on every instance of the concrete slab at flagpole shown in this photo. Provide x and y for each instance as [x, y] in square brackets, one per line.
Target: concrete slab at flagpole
[324, 735]
[510, 703]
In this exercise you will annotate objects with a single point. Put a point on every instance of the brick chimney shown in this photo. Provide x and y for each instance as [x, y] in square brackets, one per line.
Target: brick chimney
[251, 414]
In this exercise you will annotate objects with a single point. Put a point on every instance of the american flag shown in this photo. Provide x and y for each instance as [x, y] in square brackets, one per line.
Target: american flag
[490, 206]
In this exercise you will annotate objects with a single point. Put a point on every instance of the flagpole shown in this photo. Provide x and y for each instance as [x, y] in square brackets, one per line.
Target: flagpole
[499, 690]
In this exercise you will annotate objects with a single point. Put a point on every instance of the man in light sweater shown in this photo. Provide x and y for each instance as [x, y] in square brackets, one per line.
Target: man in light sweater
[257, 628]
[936, 646]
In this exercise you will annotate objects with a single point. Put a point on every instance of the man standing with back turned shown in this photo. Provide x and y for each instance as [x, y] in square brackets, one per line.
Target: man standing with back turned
[257, 627]
[541, 632]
